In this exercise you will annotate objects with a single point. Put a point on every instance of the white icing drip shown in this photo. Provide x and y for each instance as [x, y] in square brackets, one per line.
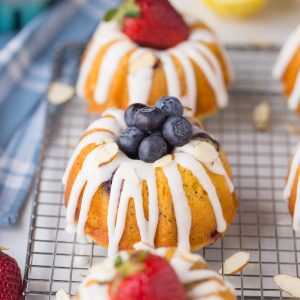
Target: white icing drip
[93, 138]
[94, 176]
[118, 114]
[296, 217]
[109, 124]
[202, 35]
[180, 203]
[289, 184]
[292, 173]
[190, 99]
[218, 168]
[199, 172]
[294, 97]
[105, 33]
[208, 71]
[286, 53]
[95, 291]
[201, 291]
[173, 83]
[140, 82]
[217, 67]
[121, 191]
[108, 68]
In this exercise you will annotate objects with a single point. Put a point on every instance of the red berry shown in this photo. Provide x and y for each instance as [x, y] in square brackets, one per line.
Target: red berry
[158, 25]
[10, 278]
[152, 279]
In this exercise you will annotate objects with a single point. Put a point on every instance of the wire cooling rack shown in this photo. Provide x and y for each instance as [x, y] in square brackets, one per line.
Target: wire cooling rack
[259, 163]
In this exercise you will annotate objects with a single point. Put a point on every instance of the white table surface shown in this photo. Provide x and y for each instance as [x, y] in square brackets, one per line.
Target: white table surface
[269, 27]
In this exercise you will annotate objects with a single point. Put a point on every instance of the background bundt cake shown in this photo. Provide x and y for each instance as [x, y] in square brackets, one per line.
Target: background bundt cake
[287, 69]
[292, 188]
[151, 54]
[166, 273]
[171, 186]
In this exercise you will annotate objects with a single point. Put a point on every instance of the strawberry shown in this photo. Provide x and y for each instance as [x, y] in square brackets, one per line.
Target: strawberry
[10, 278]
[145, 276]
[151, 23]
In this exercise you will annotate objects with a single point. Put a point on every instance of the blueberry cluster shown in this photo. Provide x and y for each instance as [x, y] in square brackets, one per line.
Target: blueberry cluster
[154, 131]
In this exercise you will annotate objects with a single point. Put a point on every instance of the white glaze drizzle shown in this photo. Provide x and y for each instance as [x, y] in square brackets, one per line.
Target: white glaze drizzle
[286, 55]
[182, 263]
[139, 83]
[173, 83]
[180, 205]
[289, 185]
[127, 183]
[109, 67]
[103, 35]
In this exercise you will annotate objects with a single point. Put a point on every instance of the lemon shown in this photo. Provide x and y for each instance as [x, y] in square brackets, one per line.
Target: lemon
[235, 8]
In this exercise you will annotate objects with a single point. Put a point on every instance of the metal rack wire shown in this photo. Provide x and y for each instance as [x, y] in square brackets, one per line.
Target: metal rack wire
[259, 163]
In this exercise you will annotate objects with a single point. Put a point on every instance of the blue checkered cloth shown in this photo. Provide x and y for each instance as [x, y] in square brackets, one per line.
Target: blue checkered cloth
[25, 71]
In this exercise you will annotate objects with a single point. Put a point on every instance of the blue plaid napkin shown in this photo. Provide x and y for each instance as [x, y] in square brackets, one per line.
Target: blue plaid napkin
[25, 67]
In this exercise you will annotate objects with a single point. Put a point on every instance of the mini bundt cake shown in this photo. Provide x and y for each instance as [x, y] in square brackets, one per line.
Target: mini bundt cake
[162, 180]
[165, 273]
[292, 188]
[287, 69]
[152, 54]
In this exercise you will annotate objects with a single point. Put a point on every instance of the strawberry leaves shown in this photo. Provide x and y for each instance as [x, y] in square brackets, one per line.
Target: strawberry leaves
[128, 9]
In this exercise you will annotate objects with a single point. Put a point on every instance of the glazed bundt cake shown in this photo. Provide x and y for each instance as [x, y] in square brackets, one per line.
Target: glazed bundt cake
[152, 54]
[287, 69]
[292, 188]
[166, 273]
[150, 175]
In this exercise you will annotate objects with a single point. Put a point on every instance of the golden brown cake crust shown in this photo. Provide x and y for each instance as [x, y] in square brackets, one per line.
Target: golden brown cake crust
[203, 231]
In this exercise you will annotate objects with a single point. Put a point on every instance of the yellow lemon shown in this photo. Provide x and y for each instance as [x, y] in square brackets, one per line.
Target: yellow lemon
[235, 8]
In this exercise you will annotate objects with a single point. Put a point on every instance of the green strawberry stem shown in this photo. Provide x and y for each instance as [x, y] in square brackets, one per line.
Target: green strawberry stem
[128, 9]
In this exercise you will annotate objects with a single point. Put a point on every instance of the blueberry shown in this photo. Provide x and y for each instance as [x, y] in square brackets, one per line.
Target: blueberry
[131, 111]
[177, 131]
[153, 148]
[149, 118]
[129, 141]
[206, 137]
[171, 106]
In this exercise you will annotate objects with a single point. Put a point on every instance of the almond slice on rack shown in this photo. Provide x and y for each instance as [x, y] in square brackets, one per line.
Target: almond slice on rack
[146, 60]
[289, 284]
[107, 152]
[163, 162]
[235, 263]
[261, 116]
[62, 295]
[206, 153]
[60, 93]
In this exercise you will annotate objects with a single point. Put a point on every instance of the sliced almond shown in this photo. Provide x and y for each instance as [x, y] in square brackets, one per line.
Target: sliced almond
[206, 153]
[145, 60]
[289, 284]
[261, 116]
[62, 295]
[107, 152]
[60, 93]
[235, 263]
[163, 162]
[130, 176]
